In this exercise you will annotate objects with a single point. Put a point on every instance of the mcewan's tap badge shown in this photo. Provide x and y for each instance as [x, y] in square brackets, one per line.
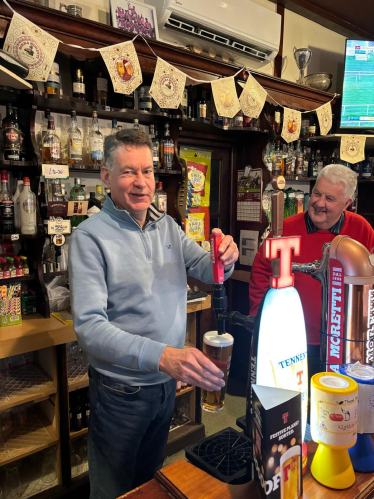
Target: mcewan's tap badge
[276, 434]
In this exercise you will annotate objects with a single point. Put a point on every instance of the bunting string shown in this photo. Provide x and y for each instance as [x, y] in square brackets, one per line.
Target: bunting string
[122, 63]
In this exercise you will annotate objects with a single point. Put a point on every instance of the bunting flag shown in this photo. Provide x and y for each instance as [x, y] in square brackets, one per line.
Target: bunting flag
[325, 118]
[31, 45]
[167, 85]
[123, 66]
[225, 97]
[291, 125]
[352, 148]
[253, 98]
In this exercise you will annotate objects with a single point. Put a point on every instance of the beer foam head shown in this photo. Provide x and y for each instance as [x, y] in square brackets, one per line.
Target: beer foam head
[213, 339]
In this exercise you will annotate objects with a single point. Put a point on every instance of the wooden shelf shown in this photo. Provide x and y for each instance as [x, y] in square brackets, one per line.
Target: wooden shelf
[23, 278]
[21, 237]
[55, 274]
[77, 434]
[189, 389]
[34, 333]
[202, 125]
[37, 434]
[299, 178]
[77, 376]
[9, 79]
[198, 306]
[24, 384]
[335, 137]
[20, 164]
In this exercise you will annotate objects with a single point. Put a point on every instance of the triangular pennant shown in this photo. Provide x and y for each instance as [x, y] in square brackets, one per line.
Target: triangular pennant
[167, 85]
[291, 125]
[352, 148]
[225, 97]
[31, 45]
[325, 118]
[252, 98]
[123, 66]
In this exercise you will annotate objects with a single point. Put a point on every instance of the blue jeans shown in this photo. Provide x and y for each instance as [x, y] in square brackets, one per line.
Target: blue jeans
[127, 434]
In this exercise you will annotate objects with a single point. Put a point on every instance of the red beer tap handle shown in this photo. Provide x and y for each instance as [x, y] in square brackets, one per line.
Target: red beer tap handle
[218, 270]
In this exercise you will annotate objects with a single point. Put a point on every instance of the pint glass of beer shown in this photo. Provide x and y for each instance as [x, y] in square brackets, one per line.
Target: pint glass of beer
[290, 473]
[218, 349]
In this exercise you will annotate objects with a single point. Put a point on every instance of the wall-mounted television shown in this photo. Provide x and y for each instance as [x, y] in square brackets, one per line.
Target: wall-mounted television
[358, 86]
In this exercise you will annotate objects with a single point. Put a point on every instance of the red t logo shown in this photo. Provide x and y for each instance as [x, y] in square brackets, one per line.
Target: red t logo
[299, 374]
[286, 469]
[285, 417]
[281, 247]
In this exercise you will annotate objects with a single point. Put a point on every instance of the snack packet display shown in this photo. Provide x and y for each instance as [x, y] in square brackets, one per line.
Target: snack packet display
[10, 305]
[198, 172]
[195, 226]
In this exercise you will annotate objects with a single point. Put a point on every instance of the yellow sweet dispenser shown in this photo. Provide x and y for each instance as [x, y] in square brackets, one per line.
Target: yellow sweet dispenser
[333, 416]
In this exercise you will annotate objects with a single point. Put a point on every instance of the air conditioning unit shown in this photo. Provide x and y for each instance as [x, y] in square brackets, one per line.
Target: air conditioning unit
[233, 29]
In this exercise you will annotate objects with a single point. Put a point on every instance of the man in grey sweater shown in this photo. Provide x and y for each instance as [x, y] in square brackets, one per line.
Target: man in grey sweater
[128, 275]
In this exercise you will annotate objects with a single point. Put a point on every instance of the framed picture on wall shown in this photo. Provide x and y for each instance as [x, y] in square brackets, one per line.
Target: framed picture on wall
[134, 17]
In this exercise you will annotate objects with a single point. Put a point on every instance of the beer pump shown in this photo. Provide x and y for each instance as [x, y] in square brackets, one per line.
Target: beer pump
[278, 353]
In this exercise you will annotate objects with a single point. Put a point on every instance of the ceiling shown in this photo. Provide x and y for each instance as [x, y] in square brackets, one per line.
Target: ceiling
[351, 19]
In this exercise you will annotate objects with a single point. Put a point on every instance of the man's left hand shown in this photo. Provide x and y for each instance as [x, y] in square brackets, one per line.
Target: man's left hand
[228, 250]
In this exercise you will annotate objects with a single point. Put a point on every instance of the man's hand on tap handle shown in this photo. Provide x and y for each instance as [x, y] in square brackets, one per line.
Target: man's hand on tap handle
[192, 367]
[228, 250]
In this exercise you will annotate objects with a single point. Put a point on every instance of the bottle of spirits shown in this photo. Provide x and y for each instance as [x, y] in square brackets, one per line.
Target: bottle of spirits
[129, 101]
[155, 147]
[51, 151]
[96, 141]
[6, 207]
[167, 149]
[305, 162]
[319, 161]
[277, 165]
[136, 124]
[278, 120]
[94, 205]
[290, 160]
[79, 413]
[190, 113]
[79, 87]
[299, 159]
[114, 127]
[184, 101]
[52, 85]
[304, 133]
[101, 89]
[238, 119]
[22, 135]
[17, 211]
[145, 99]
[314, 166]
[312, 125]
[201, 107]
[161, 198]
[11, 136]
[99, 195]
[74, 142]
[27, 203]
[77, 194]
[43, 205]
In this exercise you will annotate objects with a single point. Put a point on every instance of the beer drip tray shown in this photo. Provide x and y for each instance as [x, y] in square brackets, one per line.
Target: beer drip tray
[223, 455]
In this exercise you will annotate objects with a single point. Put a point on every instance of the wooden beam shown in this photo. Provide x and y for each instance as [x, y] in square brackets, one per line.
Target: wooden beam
[278, 61]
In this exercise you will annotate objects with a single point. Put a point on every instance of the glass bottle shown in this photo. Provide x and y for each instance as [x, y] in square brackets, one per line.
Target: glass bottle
[22, 135]
[167, 150]
[290, 160]
[299, 159]
[79, 415]
[17, 211]
[189, 113]
[114, 127]
[200, 106]
[305, 162]
[52, 85]
[238, 119]
[101, 89]
[6, 206]
[129, 101]
[312, 125]
[99, 195]
[319, 161]
[277, 165]
[74, 142]
[42, 202]
[27, 201]
[77, 194]
[136, 124]
[145, 99]
[314, 166]
[11, 136]
[25, 265]
[94, 205]
[184, 101]
[304, 133]
[278, 120]
[155, 147]
[79, 87]
[96, 142]
[51, 151]
[161, 198]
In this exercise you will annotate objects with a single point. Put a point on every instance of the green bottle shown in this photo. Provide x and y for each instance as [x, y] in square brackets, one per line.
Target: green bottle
[78, 195]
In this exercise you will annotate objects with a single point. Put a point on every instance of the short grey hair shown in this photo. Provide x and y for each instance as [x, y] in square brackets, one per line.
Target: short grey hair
[342, 174]
[129, 137]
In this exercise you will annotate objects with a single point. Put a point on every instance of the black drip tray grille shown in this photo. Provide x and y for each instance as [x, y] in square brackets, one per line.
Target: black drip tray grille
[223, 455]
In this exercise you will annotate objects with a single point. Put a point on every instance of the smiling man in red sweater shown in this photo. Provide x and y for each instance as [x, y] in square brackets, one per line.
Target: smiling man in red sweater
[326, 218]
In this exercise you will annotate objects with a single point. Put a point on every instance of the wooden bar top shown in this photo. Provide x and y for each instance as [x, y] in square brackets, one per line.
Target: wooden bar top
[183, 480]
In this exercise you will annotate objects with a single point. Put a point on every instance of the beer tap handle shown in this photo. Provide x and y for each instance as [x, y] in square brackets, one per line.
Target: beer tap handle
[218, 270]
[219, 292]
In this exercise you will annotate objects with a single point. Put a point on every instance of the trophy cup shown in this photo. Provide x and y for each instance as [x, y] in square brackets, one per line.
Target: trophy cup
[302, 58]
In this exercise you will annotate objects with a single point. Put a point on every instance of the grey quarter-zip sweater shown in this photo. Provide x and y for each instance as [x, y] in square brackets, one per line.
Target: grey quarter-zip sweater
[129, 290]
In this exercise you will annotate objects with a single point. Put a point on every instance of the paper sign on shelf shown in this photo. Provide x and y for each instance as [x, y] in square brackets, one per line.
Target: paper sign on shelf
[55, 171]
[59, 226]
[77, 208]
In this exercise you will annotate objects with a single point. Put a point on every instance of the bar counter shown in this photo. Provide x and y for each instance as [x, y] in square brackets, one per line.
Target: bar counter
[183, 480]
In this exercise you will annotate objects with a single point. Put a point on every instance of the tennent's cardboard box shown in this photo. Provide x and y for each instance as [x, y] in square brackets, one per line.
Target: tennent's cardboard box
[277, 445]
